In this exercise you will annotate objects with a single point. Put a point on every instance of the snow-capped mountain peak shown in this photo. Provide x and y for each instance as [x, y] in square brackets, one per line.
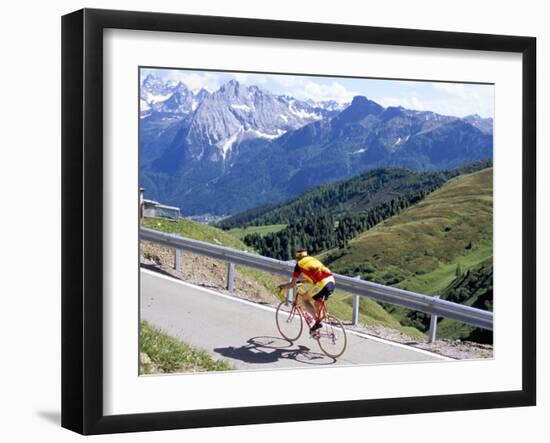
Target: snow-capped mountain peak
[237, 112]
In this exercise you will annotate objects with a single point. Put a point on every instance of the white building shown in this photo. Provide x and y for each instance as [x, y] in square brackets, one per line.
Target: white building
[152, 208]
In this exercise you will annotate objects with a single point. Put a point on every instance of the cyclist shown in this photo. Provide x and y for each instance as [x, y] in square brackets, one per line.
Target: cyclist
[323, 284]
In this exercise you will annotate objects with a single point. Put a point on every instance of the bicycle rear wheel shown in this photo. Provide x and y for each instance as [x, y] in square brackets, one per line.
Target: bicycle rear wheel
[289, 321]
[332, 337]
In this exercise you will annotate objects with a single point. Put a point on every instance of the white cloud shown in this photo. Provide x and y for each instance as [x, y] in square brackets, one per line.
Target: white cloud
[288, 81]
[448, 99]
[462, 99]
[305, 88]
[456, 89]
[195, 80]
[409, 102]
[334, 91]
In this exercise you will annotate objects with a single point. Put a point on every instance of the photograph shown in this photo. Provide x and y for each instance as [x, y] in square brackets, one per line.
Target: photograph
[299, 220]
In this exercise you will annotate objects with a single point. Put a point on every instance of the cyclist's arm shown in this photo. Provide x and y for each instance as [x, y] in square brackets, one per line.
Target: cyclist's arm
[295, 276]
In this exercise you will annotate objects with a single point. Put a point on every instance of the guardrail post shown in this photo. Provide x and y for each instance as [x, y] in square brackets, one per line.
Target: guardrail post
[355, 311]
[290, 293]
[230, 277]
[432, 333]
[177, 259]
[355, 316]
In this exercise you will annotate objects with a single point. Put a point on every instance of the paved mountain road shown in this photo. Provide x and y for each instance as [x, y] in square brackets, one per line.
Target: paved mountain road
[245, 334]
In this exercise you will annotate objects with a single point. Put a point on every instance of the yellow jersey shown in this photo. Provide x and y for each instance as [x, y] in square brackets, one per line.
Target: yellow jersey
[312, 269]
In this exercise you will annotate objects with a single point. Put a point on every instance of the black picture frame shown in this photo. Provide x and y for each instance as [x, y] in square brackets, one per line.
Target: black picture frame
[82, 231]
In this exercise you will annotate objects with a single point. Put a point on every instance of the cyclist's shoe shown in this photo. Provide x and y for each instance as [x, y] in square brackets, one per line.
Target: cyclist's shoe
[314, 328]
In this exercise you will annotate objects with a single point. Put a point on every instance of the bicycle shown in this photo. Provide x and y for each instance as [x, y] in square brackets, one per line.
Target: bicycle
[290, 317]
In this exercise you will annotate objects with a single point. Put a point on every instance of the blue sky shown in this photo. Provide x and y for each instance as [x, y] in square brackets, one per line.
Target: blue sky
[458, 99]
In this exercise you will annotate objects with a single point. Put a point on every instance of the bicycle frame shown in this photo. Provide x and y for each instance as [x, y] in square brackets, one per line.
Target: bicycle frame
[321, 314]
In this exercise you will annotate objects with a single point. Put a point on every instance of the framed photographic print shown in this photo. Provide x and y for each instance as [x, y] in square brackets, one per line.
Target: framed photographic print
[255, 207]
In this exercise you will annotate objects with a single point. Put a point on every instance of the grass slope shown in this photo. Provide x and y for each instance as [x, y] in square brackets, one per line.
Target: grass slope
[473, 288]
[421, 247]
[166, 354]
[427, 246]
[240, 233]
[195, 230]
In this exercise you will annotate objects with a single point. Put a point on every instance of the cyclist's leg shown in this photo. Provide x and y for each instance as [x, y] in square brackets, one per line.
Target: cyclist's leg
[318, 293]
[319, 314]
[320, 297]
[307, 304]
[311, 298]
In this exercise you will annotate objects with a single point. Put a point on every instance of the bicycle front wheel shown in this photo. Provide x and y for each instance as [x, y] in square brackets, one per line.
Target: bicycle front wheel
[332, 337]
[289, 321]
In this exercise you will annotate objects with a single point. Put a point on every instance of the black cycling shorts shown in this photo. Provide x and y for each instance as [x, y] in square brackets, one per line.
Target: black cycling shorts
[325, 292]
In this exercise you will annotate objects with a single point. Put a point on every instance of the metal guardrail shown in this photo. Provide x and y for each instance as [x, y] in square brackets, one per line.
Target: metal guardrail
[360, 288]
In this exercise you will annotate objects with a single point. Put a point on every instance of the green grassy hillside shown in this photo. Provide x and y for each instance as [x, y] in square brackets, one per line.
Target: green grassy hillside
[427, 246]
[473, 288]
[240, 233]
[198, 231]
[422, 246]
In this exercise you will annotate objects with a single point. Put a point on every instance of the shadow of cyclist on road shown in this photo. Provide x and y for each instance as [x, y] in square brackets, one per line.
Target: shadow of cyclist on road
[265, 350]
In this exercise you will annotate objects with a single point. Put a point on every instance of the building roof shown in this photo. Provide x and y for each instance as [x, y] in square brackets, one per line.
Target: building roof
[151, 202]
[169, 207]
